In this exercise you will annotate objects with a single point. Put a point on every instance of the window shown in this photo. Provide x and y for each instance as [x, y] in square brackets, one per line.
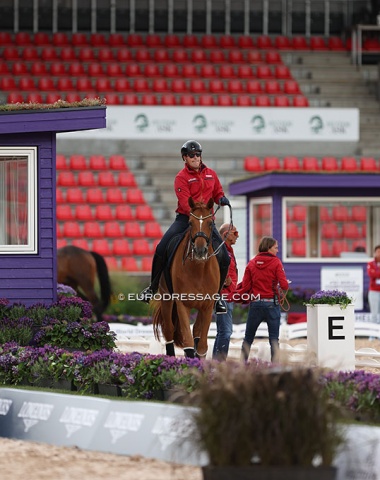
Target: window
[18, 200]
[335, 229]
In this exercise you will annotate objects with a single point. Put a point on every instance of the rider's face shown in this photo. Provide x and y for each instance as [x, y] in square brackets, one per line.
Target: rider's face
[194, 160]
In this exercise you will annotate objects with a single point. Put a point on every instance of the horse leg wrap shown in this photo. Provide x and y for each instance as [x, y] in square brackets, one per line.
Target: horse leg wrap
[170, 349]
[196, 341]
[189, 352]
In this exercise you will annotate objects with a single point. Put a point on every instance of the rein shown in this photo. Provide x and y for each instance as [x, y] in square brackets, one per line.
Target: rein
[200, 234]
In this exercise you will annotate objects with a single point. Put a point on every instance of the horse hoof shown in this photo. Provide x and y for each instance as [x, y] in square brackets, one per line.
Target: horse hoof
[170, 349]
[189, 352]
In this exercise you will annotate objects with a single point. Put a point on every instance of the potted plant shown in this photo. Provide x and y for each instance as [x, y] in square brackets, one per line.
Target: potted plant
[265, 423]
[330, 329]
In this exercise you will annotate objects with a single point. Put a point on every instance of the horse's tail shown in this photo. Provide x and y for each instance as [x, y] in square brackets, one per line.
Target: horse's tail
[160, 325]
[104, 279]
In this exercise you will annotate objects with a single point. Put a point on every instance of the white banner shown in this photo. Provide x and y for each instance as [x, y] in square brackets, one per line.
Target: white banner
[227, 123]
[347, 279]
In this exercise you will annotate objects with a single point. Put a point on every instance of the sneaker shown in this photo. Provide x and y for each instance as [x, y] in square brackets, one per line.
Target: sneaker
[146, 295]
[220, 307]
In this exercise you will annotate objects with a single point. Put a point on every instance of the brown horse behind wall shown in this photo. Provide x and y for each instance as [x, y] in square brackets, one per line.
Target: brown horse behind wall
[78, 269]
[195, 277]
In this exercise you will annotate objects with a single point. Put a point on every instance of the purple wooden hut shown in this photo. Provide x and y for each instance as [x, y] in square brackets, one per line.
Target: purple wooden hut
[327, 225]
[28, 197]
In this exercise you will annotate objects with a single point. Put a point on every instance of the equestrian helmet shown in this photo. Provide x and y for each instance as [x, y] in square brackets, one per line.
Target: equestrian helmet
[191, 146]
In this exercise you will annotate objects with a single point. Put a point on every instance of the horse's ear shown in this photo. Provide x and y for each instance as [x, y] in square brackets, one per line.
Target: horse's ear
[191, 202]
[210, 203]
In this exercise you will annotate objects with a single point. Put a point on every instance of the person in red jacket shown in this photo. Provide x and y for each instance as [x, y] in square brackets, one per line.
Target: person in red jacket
[373, 270]
[263, 275]
[224, 323]
[201, 183]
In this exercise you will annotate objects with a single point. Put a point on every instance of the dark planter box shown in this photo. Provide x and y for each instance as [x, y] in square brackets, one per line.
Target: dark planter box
[259, 472]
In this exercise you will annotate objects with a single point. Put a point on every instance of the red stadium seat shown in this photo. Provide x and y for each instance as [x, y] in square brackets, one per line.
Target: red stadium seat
[186, 100]
[122, 85]
[298, 248]
[245, 41]
[217, 56]
[30, 54]
[144, 213]
[206, 100]
[146, 264]
[74, 195]
[324, 214]
[368, 164]
[115, 70]
[170, 70]
[92, 229]
[104, 212]
[124, 212]
[326, 249]
[121, 246]
[15, 97]
[59, 195]
[227, 71]
[244, 71]
[126, 179]
[358, 213]
[117, 162]
[10, 53]
[263, 101]
[282, 72]
[291, 163]
[198, 56]
[282, 43]
[68, 54]
[149, 99]
[132, 229]
[6, 38]
[338, 247]
[161, 55]
[340, 213]
[299, 43]
[61, 242]
[141, 246]
[310, 164]
[65, 84]
[336, 44]
[300, 101]
[141, 85]
[143, 55]
[37, 69]
[272, 163]
[349, 164]
[254, 86]
[64, 212]
[134, 196]
[209, 41]
[78, 162]
[272, 87]
[235, 86]
[350, 230]
[330, 164]
[264, 42]
[101, 246]
[281, 101]
[114, 195]
[23, 38]
[160, 85]
[236, 56]
[71, 229]
[135, 40]
[66, 179]
[153, 229]
[103, 84]
[264, 72]
[225, 101]
[189, 70]
[34, 97]
[26, 83]
[112, 229]
[81, 243]
[180, 56]
[129, 264]
[105, 54]
[330, 230]
[95, 195]
[291, 87]
[293, 231]
[86, 179]
[318, 43]
[49, 54]
[179, 85]
[130, 99]
[19, 68]
[216, 86]
[172, 41]
[190, 41]
[198, 86]
[272, 57]
[153, 40]
[79, 39]
[97, 40]
[86, 54]
[116, 40]
[106, 179]
[244, 101]
[207, 70]
[83, 212]
[152, 70]
[254, 57]
[252, 164]
[97, 162]
[58, 69]
[61, 162]
[299, 213]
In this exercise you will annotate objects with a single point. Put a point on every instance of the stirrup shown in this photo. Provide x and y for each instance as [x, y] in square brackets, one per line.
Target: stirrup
[220, 307]
[146, 295]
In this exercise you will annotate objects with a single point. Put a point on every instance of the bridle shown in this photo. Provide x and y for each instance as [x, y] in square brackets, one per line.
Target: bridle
[200, 234]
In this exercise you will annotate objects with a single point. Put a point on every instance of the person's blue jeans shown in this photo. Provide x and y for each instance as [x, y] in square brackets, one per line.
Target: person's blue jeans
[261, 311]
[224, 332]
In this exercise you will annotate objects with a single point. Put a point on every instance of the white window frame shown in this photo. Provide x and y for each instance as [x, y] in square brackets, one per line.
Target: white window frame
[321, 200]
[32, 210]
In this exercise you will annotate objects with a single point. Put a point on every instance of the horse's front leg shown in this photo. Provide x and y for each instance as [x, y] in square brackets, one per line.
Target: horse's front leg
[184, 326]
[200, 330]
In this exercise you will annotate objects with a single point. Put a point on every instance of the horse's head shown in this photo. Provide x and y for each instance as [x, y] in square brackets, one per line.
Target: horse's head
[201, 224]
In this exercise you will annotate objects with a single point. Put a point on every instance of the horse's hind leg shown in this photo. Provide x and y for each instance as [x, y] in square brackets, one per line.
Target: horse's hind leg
[200, 331]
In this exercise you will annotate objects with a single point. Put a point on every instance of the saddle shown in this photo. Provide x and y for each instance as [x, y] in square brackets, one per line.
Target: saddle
[171, 248]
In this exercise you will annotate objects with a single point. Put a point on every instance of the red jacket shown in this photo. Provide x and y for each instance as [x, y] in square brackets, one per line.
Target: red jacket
[262, 276]
[228, 292]
[201, 185]
[373, 270]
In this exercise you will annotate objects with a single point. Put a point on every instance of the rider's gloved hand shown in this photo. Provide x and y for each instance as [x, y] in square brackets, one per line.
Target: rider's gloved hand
[223, 202]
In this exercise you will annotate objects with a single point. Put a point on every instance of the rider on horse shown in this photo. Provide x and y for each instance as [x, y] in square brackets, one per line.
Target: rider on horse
[201, 183]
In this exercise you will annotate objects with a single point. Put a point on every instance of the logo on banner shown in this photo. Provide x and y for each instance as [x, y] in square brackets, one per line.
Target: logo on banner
[5, 405]
[280, 126]
[76, 418]
[31, 413]
[169, 429]
[141, 122]
[316, 124]
[200, 123]
[119, 424]
[258, 123]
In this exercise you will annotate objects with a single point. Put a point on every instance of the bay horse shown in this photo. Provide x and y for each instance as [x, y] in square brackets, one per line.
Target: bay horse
[78, 268]
[195, 277]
